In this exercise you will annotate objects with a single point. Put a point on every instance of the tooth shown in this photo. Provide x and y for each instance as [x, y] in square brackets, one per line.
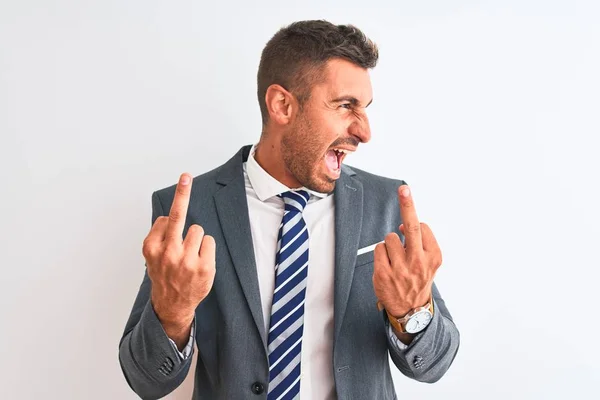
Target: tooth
[342, 151]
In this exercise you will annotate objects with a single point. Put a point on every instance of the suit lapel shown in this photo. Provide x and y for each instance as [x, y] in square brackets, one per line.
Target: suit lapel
[348, 223]
[232, 209]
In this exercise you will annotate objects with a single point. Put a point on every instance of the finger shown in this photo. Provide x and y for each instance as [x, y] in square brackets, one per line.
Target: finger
[403, 234]
[157, 231]
[430, 245]
[394, 248]
[193, 239]
[381, 264]
[412, 227]
[208, 248]
[380, 255]
[179, 208]
[153, 242]
[429, 241]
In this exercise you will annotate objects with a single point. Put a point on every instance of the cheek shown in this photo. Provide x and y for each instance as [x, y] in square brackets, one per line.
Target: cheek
[316, 133]
[331, 127]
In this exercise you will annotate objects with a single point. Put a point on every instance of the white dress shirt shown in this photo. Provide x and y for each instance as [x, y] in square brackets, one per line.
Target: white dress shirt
[265, 210]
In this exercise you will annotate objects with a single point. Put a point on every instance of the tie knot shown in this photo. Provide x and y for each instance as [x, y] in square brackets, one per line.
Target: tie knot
[295, 200]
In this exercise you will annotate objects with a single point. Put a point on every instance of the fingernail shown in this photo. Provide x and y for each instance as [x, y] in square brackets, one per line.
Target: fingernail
[405, 192]
[185, 179]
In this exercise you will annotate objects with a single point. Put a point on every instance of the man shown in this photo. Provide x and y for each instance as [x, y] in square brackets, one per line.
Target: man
[283, 265]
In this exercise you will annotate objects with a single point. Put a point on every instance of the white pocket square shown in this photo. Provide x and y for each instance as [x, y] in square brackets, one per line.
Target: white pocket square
[367, 249]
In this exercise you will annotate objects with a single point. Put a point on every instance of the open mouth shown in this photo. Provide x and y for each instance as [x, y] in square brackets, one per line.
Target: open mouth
[334, 159]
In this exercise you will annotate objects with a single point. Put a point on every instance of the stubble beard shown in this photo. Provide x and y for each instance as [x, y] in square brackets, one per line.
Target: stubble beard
[302, 157]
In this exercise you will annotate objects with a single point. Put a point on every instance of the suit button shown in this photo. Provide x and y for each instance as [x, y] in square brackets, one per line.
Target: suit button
[418, 362]
[258, 388]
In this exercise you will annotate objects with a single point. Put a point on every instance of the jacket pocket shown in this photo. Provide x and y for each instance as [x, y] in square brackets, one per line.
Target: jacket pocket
[365, 258]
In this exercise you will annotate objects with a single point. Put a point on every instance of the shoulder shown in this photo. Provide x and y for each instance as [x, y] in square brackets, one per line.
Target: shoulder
[380, 200]
[373, 183]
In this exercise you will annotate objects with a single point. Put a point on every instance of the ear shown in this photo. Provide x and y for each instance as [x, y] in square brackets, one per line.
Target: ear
[281, 104]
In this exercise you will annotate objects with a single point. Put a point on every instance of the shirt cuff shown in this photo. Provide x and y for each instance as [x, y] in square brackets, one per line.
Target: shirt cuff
[393, 338]
[187, 350]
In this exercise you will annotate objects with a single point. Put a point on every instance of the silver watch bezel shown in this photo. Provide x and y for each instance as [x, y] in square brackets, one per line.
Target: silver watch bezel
[413, 314]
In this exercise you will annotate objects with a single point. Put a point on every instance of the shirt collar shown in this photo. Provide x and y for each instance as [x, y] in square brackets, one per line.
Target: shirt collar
[264, 185]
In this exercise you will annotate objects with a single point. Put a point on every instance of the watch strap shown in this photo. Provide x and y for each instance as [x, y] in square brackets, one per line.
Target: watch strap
[399, 324]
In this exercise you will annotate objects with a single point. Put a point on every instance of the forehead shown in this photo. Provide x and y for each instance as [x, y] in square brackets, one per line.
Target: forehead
[343, 78]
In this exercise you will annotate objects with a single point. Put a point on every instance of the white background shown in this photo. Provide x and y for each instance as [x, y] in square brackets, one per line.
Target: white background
[488, 109]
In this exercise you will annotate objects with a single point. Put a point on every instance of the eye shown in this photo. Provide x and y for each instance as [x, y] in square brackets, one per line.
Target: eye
[347, 106]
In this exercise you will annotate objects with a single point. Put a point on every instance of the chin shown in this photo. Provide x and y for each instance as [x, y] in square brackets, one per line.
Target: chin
[326, 185]
[315, 180]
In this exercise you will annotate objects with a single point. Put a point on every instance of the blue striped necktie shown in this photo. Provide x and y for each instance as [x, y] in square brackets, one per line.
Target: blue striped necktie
[287, 310]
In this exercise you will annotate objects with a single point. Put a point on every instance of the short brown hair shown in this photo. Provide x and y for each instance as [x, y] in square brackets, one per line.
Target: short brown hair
[297, 54]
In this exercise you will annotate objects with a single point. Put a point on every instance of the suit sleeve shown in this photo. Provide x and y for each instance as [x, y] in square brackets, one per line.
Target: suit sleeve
[432, 351]
[150, 363]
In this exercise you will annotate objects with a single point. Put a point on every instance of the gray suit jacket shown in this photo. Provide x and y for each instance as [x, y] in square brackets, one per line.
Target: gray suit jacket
[232, 343]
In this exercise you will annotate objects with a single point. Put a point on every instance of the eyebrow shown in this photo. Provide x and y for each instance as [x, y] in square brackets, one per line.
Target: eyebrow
[352, 100]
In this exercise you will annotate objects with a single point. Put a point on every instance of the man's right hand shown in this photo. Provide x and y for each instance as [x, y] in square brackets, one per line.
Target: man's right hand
[182, 271]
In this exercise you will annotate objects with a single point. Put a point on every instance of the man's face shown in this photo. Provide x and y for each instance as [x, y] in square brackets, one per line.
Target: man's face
[334, 117]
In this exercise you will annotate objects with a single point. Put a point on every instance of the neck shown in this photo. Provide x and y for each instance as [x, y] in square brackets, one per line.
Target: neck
[268, 155]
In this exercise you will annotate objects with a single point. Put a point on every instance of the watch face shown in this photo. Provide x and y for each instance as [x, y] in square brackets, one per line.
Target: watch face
[418, 321]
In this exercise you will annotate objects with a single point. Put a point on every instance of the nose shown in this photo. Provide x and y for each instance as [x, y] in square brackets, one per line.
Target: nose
[361, 129]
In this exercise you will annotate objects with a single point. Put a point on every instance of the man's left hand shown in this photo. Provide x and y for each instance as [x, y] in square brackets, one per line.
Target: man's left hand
[403, 275]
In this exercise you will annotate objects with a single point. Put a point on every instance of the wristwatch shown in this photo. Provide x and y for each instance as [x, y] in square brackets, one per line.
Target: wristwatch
[415, 321]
